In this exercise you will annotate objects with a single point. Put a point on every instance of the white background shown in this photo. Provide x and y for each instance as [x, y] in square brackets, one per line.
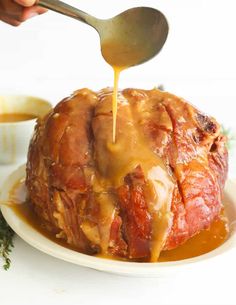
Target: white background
[51, 56]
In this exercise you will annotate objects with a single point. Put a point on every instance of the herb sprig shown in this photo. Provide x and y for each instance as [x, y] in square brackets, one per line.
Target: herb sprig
[6, 242]
[231, 137]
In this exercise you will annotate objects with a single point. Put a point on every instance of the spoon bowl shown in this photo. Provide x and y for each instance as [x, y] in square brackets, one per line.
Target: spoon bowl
[128, 39]
[133, 36]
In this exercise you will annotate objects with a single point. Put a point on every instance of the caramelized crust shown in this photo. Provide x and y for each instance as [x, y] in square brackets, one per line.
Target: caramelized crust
[159, 185]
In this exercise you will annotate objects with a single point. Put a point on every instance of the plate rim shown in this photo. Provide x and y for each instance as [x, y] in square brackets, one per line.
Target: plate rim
[37, 240]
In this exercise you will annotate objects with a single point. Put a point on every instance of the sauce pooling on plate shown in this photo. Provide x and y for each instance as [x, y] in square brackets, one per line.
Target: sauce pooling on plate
[16, 117]
[204, 242]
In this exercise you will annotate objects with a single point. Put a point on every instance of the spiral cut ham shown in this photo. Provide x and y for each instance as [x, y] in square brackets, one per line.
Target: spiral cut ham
[160, 184]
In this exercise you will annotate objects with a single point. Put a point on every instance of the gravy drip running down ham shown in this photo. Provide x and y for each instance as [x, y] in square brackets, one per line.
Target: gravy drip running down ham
[158, 185]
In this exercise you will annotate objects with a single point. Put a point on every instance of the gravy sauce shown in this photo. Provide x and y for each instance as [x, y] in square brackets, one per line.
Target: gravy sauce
[115, 101]
[131, 149]
[15, 117]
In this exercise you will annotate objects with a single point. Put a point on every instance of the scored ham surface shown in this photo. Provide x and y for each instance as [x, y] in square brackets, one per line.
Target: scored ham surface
[158, 185]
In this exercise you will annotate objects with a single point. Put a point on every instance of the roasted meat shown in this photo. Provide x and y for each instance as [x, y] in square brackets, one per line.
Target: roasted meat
[160, 184]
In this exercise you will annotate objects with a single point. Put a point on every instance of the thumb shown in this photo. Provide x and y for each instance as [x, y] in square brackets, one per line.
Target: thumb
[26, 3]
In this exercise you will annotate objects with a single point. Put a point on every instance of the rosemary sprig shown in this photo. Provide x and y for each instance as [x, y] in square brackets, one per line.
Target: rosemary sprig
[6, 242]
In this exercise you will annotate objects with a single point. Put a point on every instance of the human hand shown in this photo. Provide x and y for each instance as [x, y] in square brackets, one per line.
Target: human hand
[15, 12]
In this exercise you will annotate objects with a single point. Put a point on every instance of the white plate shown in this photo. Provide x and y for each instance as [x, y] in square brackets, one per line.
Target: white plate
[40, 242]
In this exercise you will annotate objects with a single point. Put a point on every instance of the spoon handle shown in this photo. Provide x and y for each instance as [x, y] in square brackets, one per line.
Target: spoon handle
[65, 9]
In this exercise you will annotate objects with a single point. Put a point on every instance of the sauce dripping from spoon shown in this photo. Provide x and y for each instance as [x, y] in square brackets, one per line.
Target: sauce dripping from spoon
[128, 39]
[117, 71]
[119, 57]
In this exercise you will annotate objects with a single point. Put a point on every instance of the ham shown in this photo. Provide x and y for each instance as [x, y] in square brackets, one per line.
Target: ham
[160, 184]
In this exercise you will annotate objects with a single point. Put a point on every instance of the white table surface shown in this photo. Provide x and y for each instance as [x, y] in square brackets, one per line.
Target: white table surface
[51, 56]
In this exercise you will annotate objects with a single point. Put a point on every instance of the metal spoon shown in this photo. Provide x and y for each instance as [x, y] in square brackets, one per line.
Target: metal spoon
[127, 39]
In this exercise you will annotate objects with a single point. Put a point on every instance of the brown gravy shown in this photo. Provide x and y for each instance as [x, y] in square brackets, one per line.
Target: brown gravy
[25, 212]
[114, 165]
[16, 117]
[202, 243]
[115, 101]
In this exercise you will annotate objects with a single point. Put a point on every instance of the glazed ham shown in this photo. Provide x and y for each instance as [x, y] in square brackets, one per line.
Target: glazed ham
[160, 184]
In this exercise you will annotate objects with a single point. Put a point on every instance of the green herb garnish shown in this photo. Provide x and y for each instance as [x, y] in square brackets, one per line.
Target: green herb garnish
[231, 137]
[6, 241]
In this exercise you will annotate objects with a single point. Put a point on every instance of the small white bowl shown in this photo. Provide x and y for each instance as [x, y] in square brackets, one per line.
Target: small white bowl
[162, 269]
[15, 136]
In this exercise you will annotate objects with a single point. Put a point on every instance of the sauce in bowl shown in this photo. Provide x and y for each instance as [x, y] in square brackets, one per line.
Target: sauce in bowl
[16, 117]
